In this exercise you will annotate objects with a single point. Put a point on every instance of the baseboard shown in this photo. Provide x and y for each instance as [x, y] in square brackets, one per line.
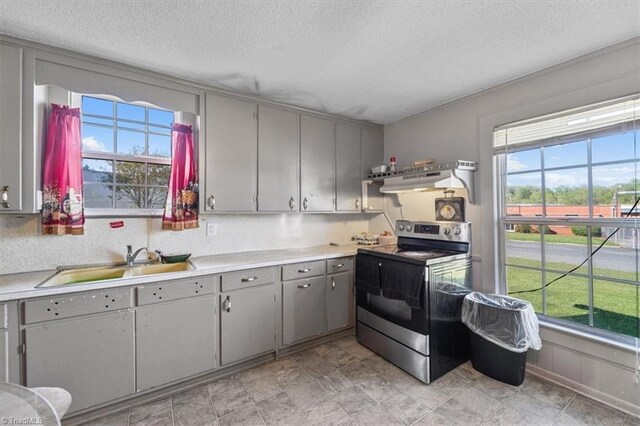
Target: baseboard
[587, 391]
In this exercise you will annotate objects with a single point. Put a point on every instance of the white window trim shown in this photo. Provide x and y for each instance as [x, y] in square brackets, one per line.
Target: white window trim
[76, 102]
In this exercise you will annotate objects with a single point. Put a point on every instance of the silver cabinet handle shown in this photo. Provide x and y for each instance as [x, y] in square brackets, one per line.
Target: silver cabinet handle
[227, 304]
[333, 284]
[339, 265]
[292, 203]
[305, 203]
[304, 286]
[245, 280]
[357, 204]
[212, 202]
[302, 271]
[5, 197]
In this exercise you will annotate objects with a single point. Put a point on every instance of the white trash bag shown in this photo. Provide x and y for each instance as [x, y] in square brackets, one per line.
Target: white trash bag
[506, 321]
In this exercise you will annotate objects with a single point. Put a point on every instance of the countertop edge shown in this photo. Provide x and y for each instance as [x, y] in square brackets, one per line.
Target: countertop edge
[205, 265]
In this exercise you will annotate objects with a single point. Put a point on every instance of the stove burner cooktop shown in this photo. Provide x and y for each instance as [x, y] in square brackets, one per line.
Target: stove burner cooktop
[412, 254]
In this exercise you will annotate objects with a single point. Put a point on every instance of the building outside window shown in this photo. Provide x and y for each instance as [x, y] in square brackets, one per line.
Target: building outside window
[567, 183]
[126, 150]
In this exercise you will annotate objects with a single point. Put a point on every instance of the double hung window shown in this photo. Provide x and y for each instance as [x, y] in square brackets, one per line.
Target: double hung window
[567, 188]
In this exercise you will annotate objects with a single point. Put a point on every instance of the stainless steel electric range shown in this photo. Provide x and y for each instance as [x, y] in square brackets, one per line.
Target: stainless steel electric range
[409, 297]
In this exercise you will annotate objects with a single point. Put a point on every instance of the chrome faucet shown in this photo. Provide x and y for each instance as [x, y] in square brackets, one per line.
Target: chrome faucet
[131, 256]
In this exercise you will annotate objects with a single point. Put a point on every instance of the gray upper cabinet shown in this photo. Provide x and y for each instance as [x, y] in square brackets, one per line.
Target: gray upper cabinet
[247, 323]
[303, 309]
[339, 300]
[10, 128]
[348, 173]
[92, 357]
[231, 155]
[372, 155]
[278, 159]
[317, 164]
[175, 340]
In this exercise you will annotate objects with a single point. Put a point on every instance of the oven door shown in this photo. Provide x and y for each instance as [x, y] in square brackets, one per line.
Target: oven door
[375, 275]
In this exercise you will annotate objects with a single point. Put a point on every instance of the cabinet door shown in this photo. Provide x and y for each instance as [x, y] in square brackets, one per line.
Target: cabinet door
[231, 155]
[317, 164]
[4, 356]
[348, 173]
[175, 340]
[10, 128]
[92, 358]
[278, 160]
[247, 323]
[372, 155]
[303, 309]
[339, 298]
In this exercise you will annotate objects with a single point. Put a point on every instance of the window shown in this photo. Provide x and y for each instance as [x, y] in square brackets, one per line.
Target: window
[126, 150]
[567, 183]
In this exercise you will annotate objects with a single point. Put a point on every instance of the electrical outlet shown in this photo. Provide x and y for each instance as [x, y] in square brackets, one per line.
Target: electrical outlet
[212, 229]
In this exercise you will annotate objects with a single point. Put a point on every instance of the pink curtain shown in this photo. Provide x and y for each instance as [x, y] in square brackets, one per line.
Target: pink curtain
[62, 211]
[181, 209]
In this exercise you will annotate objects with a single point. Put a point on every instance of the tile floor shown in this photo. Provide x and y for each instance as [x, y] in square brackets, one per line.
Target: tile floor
[343, 383]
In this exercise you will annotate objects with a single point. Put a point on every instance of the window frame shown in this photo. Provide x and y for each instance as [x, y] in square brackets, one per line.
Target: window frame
[76, 101]
[503, 221]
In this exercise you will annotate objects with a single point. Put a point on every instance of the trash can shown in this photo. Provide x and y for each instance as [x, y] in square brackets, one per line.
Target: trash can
[502, 328]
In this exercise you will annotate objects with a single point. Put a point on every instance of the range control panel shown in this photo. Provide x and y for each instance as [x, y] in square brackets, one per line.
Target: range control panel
[448, 231]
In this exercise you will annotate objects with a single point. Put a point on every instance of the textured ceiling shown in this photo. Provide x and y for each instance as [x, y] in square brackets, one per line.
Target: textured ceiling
[374, 60]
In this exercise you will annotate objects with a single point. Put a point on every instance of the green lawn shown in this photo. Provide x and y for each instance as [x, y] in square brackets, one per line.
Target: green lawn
[615, 304]
[559, 239]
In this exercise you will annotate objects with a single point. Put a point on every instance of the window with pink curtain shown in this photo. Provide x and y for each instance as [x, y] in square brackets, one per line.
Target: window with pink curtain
[181, 209]
[62, 211]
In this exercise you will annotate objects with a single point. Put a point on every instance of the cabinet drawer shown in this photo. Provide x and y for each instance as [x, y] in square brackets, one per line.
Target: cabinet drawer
[342, 264]
[173, 290]
[303, 270]
[248, 278]
[76, 304]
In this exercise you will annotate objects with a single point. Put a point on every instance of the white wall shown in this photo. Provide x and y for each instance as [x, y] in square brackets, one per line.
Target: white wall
[462, 130]
[23, 248]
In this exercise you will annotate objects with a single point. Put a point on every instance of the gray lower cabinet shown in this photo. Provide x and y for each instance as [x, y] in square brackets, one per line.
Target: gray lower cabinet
[4, 356]
[317, 164]
[91, 357]
[348, 173]
[10, 128]
[339, 300]
[231, 155]
[175, 340]
[303, 309]
[278, 159]
[247, 323]
[9, 343]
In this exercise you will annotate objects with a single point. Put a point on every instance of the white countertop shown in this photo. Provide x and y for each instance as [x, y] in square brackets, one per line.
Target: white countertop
[23, 285]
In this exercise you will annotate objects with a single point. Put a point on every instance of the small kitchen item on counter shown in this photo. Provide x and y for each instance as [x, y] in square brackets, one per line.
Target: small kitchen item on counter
[450, 209]
[392, 162]
[422, 163]
[386, 238]
[173, 258]
[365, 238]
[379, 169]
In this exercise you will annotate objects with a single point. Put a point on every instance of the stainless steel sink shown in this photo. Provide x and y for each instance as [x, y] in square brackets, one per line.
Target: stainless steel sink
[115, 272]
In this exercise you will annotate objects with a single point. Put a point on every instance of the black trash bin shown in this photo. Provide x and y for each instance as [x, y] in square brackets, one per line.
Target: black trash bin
[502, 328]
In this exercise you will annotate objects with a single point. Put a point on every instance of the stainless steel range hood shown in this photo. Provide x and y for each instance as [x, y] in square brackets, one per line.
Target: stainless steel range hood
[430, 180]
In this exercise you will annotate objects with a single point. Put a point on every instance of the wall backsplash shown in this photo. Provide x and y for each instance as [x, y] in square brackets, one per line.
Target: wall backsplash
[23, 249]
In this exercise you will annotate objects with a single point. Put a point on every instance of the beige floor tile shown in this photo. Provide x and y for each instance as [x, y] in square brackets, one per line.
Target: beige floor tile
[334, 382]
[247, 416]
[230, 401]
[584, 411]
[263, 387]
[376, 415]
[155, 413]
[307, 395]
[327, 413]
[276, 408]
[378, 388]
[548, 393]
[357, 372]
[431, 419]
[354, 400]
[498, 390]
[194, 407]
[116, 419]
[292, 377]
[405, 408]
[225, 384]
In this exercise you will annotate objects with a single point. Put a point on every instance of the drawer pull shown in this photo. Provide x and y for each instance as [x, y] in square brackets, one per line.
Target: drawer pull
[248, 280]
[302, 271]
[304, 285]
[339, 265]
[5, 197]
[227, 304]
[333, 284]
